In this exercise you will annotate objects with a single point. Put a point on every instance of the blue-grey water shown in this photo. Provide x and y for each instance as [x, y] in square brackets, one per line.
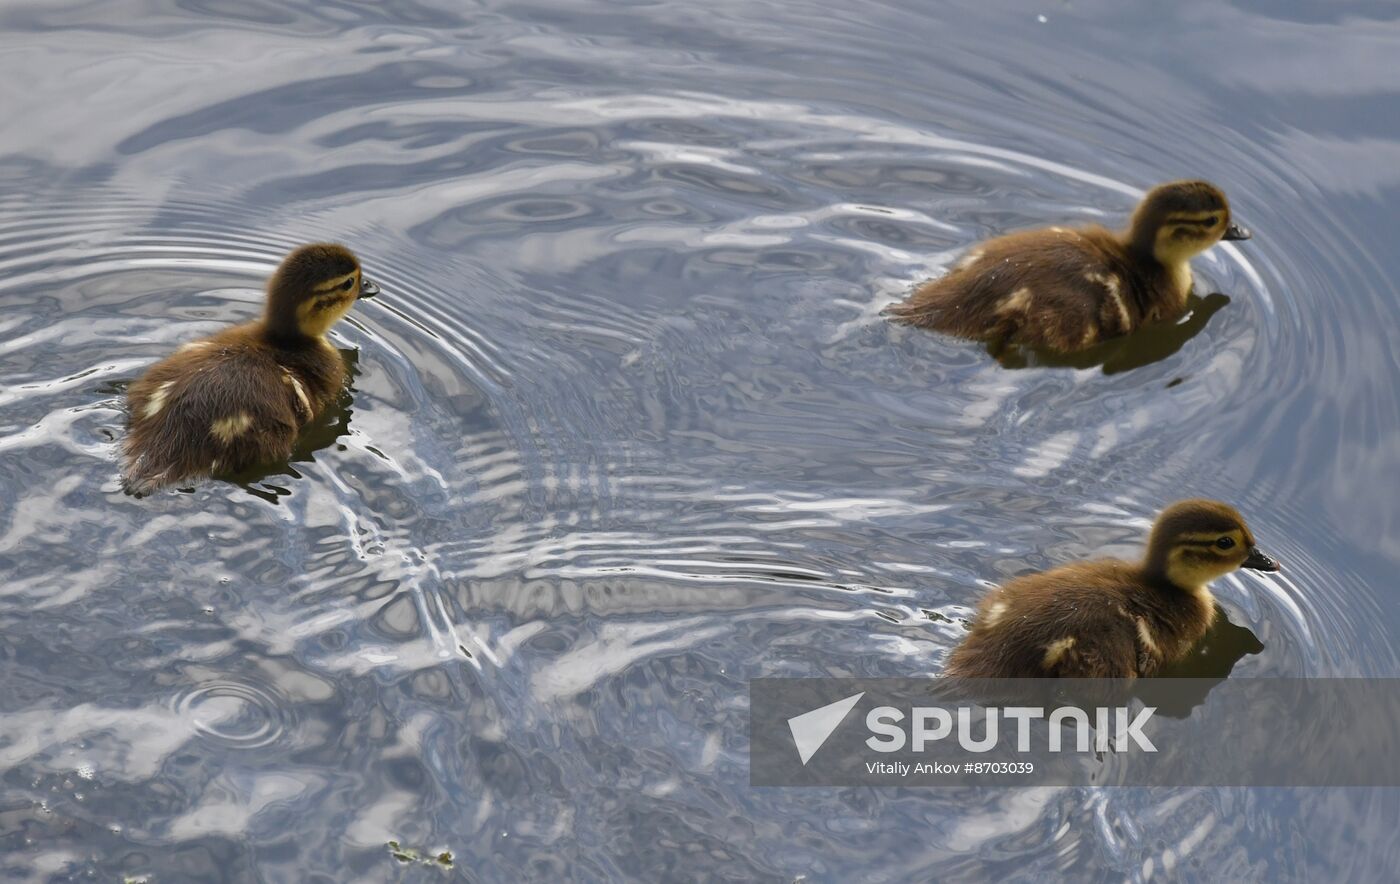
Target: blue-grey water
[627, 429]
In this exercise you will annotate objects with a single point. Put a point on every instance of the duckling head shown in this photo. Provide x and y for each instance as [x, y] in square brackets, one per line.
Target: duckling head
[312, 289]
[1195, 541]
[1181, 219]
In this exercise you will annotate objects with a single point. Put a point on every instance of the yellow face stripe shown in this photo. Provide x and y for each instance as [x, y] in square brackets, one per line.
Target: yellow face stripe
[1194, 568]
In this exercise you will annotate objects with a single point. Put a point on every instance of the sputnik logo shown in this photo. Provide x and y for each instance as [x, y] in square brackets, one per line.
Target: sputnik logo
[811, 729]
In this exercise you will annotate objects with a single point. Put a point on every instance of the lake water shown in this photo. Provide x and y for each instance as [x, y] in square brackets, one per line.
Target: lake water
[627, 429]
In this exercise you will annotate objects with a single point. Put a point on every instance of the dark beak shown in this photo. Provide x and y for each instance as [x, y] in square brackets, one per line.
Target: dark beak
[367, 288]
[1260, 561]
[1235, 231]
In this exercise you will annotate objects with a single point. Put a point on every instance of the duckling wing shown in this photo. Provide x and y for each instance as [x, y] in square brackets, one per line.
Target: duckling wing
[1068, 622]
[1058, 288]
[1096, 637]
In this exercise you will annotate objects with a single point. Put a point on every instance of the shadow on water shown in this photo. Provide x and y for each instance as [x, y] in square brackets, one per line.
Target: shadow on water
[1210, 662]
[1142, 347]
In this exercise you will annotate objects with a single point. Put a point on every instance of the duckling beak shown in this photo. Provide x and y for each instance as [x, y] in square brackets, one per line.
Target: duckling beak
[1260, 561]
[1235, 231]
[367, 288]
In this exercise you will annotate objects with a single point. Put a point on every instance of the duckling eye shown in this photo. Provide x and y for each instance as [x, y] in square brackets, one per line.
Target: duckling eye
[1210, 222]
[345, 286]
[1225, 543]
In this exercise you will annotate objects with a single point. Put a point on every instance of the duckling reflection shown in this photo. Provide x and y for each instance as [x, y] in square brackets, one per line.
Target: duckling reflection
[1152, 343]
[239, 398]
[1064, 290]
[1208, 664]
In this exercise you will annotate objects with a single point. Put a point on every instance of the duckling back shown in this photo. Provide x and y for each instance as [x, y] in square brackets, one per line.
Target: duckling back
[1058, 288]
[1075, 621]
[222, 405]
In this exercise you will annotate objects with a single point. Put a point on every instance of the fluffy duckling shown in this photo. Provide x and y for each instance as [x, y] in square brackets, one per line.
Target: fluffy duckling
[239, 397]
[1065, 289]
[1109, 618]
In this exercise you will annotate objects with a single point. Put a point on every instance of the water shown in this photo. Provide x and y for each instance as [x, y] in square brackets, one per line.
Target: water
[627, 429]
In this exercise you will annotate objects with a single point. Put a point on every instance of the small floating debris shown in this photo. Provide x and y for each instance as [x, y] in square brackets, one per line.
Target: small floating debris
[408, 855]
[935, 616]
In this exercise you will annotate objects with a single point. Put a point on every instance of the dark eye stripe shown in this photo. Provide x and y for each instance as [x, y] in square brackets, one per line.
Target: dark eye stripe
[325, 303]
[1196, 222]
[343, 285]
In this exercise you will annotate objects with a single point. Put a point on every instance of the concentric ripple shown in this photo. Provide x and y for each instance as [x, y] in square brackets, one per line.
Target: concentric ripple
[233, 714]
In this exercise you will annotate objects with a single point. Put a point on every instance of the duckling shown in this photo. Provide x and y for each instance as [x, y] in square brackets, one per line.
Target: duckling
[1109, 618]
[239, 397]
[1065, 289]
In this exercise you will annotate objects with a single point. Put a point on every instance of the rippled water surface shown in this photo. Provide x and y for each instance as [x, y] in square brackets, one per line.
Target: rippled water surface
[627, 429]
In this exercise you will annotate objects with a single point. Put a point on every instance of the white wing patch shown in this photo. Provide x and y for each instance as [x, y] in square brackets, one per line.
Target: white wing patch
[229, 428]
[1112, 284]
[1145, 636]
[1016, 302]
[290, 380]
[969, 259]
[1055, 650]
[993, 615]
[157, 400]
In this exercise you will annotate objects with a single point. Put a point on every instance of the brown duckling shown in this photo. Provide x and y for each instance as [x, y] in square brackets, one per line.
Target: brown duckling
[1065, 289]
[239, 397]
[1109, 618]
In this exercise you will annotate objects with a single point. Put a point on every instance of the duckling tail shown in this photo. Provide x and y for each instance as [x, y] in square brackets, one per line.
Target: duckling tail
[146, 472]
[140, 480]
[907, 313]
[929, 306]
